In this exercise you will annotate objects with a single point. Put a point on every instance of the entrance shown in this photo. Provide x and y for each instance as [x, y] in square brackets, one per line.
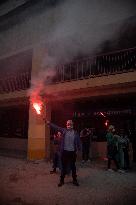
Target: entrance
[96, 113]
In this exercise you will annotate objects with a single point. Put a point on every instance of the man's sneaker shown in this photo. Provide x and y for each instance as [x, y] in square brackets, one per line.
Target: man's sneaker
[53, 172]
[75, 183]
[88, 160]
[110, 170]
[121, 171]
[61, 184]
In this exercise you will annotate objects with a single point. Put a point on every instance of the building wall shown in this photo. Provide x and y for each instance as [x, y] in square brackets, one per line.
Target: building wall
[38, 133]
[13, 144]
[98, 86]
[13, 147]
[33, 33]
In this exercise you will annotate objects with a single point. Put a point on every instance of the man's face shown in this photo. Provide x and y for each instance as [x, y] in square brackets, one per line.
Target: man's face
[69, 124]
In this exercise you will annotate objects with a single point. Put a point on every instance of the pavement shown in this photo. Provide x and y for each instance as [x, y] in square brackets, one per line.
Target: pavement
[25, 182]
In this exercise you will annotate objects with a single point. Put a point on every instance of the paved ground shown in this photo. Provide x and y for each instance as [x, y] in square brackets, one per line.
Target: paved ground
[29, 183]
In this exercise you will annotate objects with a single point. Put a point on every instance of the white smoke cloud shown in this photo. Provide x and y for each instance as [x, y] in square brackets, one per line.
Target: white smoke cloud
[81, 26]
[74, 27]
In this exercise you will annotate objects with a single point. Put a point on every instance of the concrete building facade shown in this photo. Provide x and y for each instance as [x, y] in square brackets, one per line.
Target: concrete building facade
[88, 90]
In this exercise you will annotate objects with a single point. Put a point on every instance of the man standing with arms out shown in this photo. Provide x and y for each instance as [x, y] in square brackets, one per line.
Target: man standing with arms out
[70, 144]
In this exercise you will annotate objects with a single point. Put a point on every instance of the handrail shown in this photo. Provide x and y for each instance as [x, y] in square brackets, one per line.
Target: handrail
[13, 83]
[107, 64]
[105, 54]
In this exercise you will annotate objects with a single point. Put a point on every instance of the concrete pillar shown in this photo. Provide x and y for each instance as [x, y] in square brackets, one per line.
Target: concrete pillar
[47, 130]
[39, 134]
[36, 136]
[38, 131]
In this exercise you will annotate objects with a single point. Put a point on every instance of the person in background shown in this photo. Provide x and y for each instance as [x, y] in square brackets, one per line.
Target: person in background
[70, 144]
[124, 141]
[112, 149]
[56, 152]
[120, 156]
[85, 136]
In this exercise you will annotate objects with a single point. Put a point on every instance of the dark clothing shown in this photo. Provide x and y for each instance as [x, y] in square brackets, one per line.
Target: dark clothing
[64, 131]
[85, 151]
[85, 137]
[126, 158]
[68, 158]
[112, 152]
[56, 161]
[57, 144]
[126, 152]
[56, 154]
[124, 142]
[115, 161]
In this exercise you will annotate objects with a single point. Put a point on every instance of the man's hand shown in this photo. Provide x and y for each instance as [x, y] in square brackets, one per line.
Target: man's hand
[47, 122]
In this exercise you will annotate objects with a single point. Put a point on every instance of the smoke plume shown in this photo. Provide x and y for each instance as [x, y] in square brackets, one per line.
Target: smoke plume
[68, 29]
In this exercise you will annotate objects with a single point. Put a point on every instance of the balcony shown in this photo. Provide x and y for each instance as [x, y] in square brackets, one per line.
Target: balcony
[108, 74]
[15, 72]
[107, 64]
[12, 83]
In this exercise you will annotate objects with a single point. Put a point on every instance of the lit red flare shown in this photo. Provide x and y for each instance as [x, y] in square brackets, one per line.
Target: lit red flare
[102, 114]
[38, 107]
[106, 123]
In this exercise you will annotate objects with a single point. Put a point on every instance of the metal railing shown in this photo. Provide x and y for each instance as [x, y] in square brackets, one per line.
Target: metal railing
[16, 82]
[100, 65]
[106, 64]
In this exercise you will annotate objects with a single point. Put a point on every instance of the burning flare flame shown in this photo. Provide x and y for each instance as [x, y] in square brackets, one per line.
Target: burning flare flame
[37, 107]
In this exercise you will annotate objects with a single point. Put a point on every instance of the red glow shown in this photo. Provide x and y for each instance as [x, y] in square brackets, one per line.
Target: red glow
[37, 107]
[102, 114]
[107, 123]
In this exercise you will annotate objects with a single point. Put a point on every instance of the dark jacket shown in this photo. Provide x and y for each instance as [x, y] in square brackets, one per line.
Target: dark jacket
[77, 144]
